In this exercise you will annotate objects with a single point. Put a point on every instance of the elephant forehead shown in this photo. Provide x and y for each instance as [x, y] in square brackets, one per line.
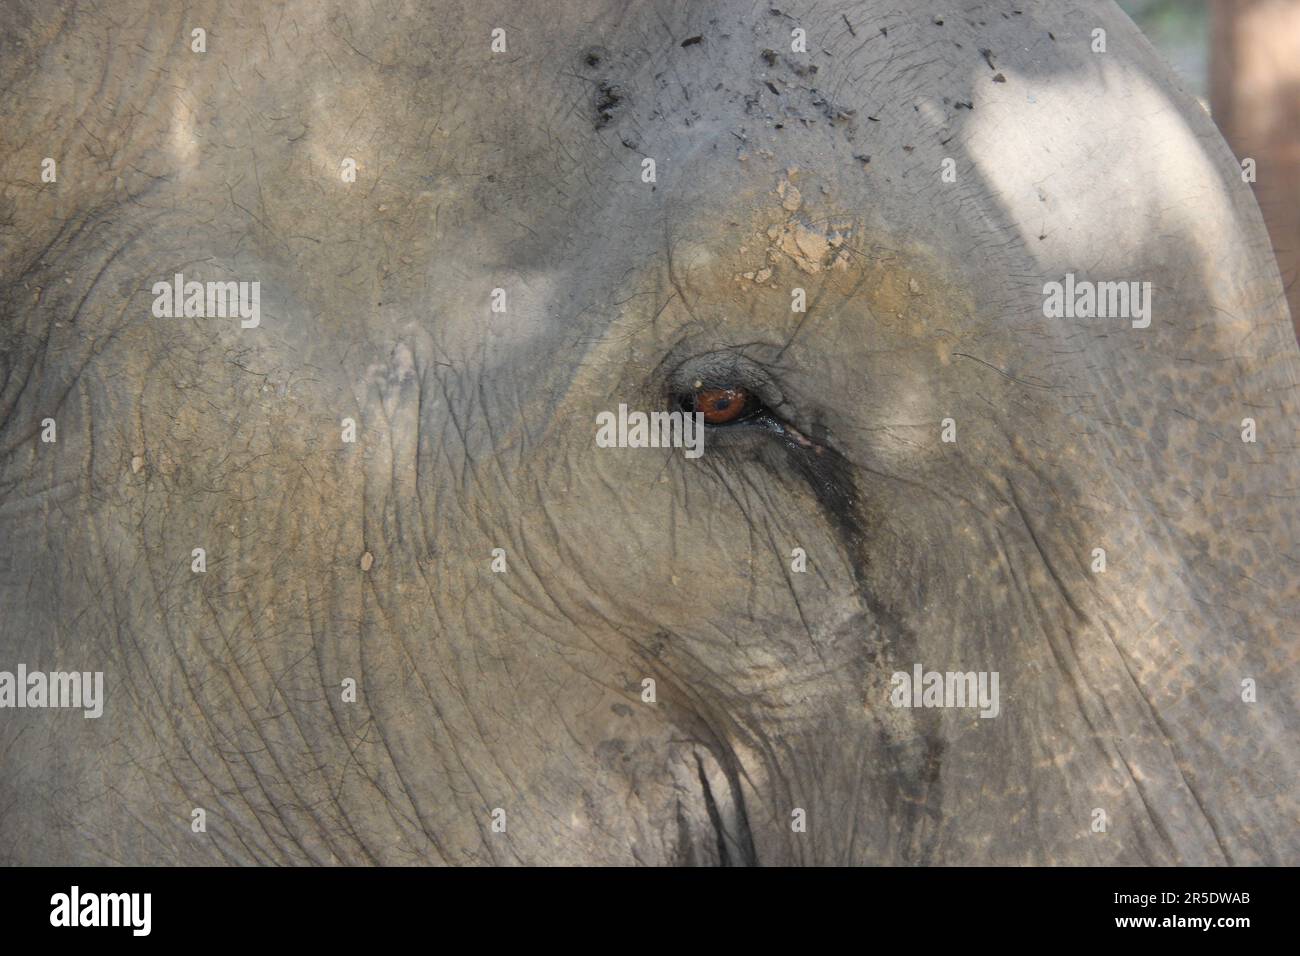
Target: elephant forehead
[796, 252]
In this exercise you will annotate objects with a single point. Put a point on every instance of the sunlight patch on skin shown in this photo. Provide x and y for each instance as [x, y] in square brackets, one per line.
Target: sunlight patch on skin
[1055, 161]
[692, 256]
[181, 136]
[340, 128]
[531, 299]
[933, 113]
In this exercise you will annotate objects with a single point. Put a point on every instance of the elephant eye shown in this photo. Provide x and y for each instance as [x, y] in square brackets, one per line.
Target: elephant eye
[722, 405]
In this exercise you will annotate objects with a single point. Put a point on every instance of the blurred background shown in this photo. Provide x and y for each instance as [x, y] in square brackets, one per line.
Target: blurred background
[1242, 59]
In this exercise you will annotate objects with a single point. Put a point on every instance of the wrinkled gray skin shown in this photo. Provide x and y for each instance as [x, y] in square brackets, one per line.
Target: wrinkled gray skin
[1120, 691]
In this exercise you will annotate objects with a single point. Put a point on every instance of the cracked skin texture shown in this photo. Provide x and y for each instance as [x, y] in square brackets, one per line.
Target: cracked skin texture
[522, 690]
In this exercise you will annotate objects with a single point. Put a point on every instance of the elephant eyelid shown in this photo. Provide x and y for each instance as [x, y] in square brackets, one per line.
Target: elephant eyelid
[732, 391]
[754, 413]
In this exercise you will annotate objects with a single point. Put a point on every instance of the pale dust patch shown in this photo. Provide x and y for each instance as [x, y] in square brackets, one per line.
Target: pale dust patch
[811, 247]
[791, 198]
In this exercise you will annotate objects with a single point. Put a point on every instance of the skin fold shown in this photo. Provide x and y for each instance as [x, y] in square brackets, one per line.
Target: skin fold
[523, 691]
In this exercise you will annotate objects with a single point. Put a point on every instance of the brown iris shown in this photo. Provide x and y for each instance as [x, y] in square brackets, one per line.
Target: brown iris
[721, 405]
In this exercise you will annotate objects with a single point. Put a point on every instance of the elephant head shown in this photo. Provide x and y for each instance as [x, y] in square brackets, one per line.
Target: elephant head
[987, 555]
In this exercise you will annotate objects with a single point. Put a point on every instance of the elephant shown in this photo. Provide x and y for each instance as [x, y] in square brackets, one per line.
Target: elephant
[943, 511]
